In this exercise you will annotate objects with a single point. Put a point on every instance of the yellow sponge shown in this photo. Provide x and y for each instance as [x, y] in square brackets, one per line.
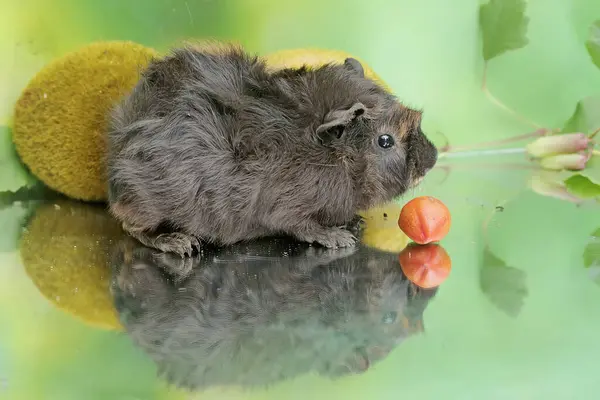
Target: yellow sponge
[65, 251]
[381, 229]
[315, 57]
[60, 118]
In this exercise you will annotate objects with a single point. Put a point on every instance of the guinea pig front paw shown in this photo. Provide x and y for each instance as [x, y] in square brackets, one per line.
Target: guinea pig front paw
[330, 237]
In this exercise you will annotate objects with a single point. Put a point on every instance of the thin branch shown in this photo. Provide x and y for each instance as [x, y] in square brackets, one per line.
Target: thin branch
[477, 153]
[537, 133]
[500, 104]
[489, 166]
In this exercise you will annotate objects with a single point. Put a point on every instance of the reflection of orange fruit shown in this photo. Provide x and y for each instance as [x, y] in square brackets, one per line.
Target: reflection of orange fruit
[425, 219]
[296, 58]
[426, 266]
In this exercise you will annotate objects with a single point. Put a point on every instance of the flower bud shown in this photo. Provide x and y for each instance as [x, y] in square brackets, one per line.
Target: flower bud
[572, 162]
[558, 144]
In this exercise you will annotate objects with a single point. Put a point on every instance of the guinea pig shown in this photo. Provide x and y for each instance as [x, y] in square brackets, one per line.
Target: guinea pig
[213, 147]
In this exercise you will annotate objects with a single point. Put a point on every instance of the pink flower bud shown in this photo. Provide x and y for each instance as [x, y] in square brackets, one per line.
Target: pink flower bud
[558, 144]
[572, 162]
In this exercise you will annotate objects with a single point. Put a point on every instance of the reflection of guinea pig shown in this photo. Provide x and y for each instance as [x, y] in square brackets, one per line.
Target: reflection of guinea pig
[212, 146]
[264, 311]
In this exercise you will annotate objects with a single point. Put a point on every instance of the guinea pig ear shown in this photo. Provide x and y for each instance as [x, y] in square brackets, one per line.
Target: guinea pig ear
[336, 122]
[327, 133]
[354, 65]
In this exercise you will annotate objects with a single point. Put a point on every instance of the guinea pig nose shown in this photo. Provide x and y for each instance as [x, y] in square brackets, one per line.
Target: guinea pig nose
[430, 158]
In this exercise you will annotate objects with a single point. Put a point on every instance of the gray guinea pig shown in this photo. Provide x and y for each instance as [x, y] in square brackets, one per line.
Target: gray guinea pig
[212, 146]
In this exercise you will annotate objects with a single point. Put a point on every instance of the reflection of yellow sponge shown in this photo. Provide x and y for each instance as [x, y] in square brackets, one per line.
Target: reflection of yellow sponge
[60, 118]
[65, 250]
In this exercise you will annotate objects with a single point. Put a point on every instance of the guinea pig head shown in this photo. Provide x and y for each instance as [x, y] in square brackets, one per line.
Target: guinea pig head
[382, 138]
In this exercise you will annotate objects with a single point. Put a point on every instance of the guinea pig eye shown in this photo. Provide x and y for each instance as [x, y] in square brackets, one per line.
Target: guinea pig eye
[385, 141]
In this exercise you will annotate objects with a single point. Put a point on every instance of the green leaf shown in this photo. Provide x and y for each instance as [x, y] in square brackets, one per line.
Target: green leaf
[592, 170]
[504, 286]
[582, 187]
[13, 175]
[591, 253]
[12, 219]
[593, 43]
[15, 210]
[591, 257]
[503, 26]
[585, 118]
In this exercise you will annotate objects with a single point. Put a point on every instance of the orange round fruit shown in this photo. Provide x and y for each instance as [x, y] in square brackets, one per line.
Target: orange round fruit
[425, 219]
[426, 265]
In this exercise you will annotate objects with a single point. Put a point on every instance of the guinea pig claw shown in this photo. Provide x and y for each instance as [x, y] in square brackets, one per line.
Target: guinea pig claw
[178, 243]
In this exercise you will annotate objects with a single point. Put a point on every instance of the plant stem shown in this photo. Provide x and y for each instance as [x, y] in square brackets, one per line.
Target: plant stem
[489, 166]
[476, 153]
[500, 104]
[536, 133]
[480, 153]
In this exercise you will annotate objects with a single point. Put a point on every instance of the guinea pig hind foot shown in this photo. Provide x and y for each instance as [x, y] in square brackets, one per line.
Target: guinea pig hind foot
[179, 243]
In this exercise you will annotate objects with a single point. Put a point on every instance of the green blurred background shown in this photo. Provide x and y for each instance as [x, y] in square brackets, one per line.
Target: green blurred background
[477, 344]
